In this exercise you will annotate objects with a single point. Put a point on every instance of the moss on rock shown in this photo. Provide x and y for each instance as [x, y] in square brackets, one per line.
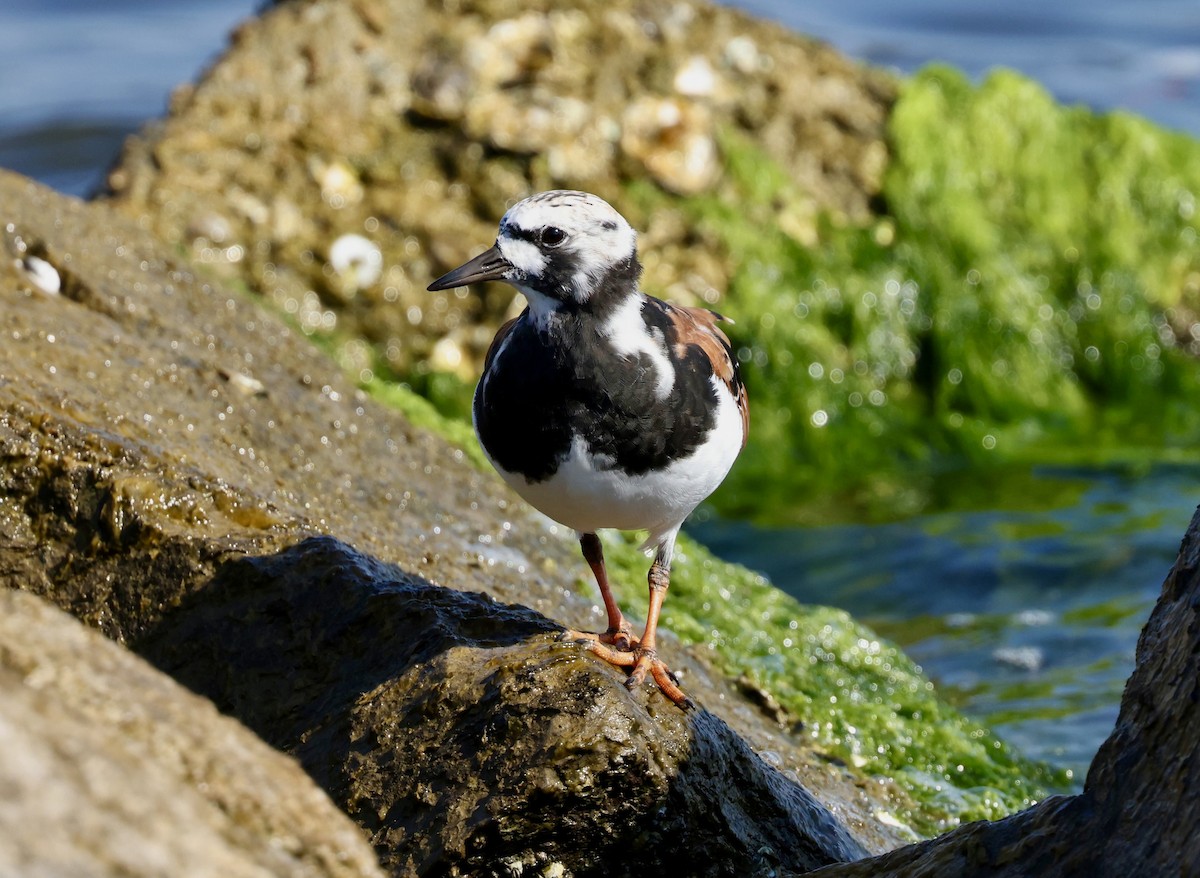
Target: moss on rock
[858, 697]
[1031, 293]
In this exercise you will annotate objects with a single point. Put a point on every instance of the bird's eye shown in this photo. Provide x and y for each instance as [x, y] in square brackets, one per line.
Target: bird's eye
[552, 236]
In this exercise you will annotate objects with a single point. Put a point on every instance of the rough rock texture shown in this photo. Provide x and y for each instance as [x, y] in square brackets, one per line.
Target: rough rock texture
[1136, 814]
[414, 124]
[466, 739]
[107, 767]
[155, 428]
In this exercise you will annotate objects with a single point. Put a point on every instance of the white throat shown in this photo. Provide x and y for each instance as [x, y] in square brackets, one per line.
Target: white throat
[542, 308]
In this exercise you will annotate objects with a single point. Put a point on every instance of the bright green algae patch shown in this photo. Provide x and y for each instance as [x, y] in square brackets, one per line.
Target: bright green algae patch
[1032, 295]
[859, 698]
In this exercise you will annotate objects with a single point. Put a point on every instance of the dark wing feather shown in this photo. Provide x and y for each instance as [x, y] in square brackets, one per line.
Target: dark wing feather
[501, 334]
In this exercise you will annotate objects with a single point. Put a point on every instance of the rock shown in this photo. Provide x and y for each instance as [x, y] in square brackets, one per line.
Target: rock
[110, 768]
[675, 142]
[1137, 812]
[334, 115]
[155, 428]
[468, 740]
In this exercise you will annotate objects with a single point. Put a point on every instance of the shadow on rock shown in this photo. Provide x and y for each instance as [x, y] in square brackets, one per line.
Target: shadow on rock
[465, 738]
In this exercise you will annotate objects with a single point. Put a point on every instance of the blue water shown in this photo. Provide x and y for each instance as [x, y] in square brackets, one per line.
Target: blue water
[1140, 56]
[77, 76]
[1028, 620]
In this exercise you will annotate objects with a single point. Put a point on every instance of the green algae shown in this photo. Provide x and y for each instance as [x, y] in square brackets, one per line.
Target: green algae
[423, 413]
[858, 697]
[1031, 294]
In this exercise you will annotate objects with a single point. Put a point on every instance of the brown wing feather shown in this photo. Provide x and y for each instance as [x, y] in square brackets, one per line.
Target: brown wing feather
[698, 326]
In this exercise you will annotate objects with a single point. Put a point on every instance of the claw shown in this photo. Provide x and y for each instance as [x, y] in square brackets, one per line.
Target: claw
[621, 641]
[617, 645]
[638, 661]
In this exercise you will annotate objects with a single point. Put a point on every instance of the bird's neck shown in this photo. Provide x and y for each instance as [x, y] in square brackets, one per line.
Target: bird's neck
[612, 289]
[596, 299]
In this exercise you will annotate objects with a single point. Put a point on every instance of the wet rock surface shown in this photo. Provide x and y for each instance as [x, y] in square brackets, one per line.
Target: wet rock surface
[110, 768]
[1136, 814]
[467, 740]
[415, 124]
[156, 430]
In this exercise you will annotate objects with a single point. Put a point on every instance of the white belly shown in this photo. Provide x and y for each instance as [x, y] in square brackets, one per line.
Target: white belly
[584, 495]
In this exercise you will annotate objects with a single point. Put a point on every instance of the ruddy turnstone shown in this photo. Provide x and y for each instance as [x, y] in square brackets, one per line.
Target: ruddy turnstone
[600, 405]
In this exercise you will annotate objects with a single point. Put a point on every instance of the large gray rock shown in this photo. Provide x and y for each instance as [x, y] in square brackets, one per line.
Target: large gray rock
[468, 740]
[109, 768]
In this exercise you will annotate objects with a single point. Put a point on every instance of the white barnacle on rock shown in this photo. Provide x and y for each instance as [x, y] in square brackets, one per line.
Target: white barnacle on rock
[210, 227]
[42, 274]
[696, 78]
[741, 53]
[339, 184]
[356, 260]
[243, 383]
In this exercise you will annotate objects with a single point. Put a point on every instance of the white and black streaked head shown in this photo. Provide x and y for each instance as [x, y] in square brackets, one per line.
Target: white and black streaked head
[561, 249]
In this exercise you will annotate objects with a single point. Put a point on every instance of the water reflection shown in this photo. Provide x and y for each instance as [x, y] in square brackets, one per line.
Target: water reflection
[1027, 620]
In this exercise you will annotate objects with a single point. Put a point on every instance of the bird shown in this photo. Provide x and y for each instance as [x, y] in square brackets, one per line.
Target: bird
[602, 406]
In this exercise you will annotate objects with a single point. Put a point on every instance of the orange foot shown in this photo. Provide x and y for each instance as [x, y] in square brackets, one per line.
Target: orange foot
[623, 651]
[621, 639]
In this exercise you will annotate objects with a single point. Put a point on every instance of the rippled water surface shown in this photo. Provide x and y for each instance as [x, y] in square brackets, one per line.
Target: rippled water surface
[1027, 620]
[1143, 57]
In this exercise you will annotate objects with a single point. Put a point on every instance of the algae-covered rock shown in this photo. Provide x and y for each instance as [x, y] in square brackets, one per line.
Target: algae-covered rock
[109, 768]
[414, 124]
[841, 686]
[1030, 293]
[1137, 812]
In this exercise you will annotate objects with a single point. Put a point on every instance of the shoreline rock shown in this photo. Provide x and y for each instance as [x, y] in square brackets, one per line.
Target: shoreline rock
[465, 740]
[137, 468]
[110, 768]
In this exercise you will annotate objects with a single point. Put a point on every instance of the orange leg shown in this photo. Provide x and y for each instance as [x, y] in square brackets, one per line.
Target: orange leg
[647, 654]
[619, 633]
[617, 646]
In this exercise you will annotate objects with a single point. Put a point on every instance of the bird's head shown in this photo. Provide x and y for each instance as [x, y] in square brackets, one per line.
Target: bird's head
[560, 249]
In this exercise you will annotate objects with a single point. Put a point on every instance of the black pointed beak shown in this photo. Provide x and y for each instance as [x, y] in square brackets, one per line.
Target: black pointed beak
[489, 265]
